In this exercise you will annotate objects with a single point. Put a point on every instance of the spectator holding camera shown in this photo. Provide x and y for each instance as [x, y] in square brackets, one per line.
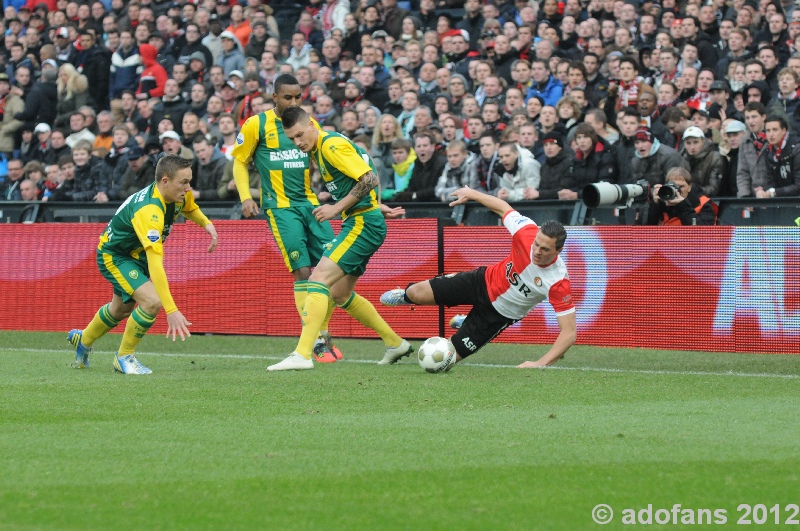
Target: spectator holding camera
[679, 203]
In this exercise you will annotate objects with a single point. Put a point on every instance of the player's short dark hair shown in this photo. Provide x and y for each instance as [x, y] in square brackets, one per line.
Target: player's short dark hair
[776, 118]
[170, 165]
[554, 229]
[292, 116]
[284, 79]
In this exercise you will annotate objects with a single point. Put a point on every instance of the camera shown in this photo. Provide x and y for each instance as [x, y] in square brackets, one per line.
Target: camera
[669, 191]
[607, 194]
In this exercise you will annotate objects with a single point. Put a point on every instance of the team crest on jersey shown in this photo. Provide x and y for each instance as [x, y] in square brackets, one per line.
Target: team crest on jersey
[153, 235]
[134, 274]
[294, 255]
[537, 281]
[240, 138]
[154, 217]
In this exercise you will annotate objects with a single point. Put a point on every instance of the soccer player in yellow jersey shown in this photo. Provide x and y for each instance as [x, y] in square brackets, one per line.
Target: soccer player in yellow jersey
[286, 197]
[351, 178]
[131, 257]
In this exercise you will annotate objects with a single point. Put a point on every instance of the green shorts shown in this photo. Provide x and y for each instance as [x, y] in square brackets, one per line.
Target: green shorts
[300, 237]
[124, 273]
[360, 237]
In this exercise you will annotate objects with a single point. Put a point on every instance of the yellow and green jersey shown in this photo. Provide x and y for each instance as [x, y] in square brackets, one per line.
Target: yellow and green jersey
[341, 164]
[143, 222]
[284, 169]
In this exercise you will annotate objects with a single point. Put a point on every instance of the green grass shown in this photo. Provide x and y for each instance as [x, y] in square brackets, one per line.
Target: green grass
[213, 441]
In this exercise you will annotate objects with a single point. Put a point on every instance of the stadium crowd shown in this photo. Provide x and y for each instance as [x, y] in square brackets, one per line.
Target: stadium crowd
[521, 99]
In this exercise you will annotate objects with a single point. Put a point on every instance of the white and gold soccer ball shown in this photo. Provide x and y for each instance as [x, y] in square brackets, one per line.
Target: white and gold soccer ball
[436, 354]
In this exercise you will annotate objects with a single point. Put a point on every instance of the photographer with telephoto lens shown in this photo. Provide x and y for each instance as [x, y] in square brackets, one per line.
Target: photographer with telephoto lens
[678, 203]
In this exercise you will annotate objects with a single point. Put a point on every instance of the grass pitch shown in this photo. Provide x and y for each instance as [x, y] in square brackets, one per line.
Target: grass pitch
[213, 441]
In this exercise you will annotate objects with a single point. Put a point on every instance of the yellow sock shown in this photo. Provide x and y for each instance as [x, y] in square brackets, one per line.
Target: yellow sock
[365, 313]
[327, 321]
[101, 324]
[313, 315]
[300, 293]
[137, 326]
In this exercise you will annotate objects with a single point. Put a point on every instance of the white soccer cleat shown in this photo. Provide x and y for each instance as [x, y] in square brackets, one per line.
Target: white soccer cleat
[294, 362]
[457, 321]
[393, 354]
[394, 297]
[129, 365]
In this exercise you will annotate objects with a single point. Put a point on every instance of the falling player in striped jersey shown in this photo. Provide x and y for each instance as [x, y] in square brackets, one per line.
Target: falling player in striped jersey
[504, 293]
[286, 197]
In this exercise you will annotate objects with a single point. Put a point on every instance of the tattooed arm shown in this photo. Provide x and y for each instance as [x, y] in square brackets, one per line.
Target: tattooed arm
[365, 184]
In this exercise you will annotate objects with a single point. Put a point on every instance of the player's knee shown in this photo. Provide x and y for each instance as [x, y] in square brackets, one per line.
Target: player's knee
[151, 306]
[415, 293]
[303, 273]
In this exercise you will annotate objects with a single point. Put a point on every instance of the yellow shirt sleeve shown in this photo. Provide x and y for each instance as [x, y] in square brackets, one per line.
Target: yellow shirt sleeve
[158, 276]
[148, 223]
[246, 141]
[341, 154]
[192, 212]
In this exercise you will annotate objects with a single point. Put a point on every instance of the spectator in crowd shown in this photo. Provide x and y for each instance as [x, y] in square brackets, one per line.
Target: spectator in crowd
[11, 105]
[126, 66]
[488, 168]
[66, 187]
[734, 131]
[688, 206]
[42, 102]
[232, 57]
[94, 62]
[556, 171]
[58, 148]
[781, 161]
[154, 76]
[593, 163]
[652, 159]
[139, 174]
[460, 171]
[403, 157]
[211, 164]
[171, 107]
[91, 182]
[676, 122]
[28, 190]
[544, 85]
[171, 143]
[10, 186]
[751, 173]
[104, 138]
[705, 162]
[427, 170]
[387, 131]
[79, 131]
[521, 177]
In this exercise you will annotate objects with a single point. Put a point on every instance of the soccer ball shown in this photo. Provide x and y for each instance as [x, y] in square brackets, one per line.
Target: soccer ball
[437, 354]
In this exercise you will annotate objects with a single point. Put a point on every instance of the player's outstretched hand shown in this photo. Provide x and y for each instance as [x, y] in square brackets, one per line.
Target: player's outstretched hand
[326, 212]
[462, 195]
[392, 213]
[249, 208]
[178, 325]
[532, 365]
[212, 231]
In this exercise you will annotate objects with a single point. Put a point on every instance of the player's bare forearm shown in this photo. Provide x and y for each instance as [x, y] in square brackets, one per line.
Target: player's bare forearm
[566, 338]
[496, 205]
[362, 188]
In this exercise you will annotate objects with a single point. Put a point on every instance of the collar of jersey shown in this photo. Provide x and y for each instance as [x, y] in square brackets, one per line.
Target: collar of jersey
[157, 193]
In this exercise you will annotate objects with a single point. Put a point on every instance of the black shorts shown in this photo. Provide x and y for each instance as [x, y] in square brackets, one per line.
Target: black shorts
[483, 323]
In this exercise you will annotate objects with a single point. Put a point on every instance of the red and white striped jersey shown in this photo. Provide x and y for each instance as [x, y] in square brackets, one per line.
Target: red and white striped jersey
[516, 284]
